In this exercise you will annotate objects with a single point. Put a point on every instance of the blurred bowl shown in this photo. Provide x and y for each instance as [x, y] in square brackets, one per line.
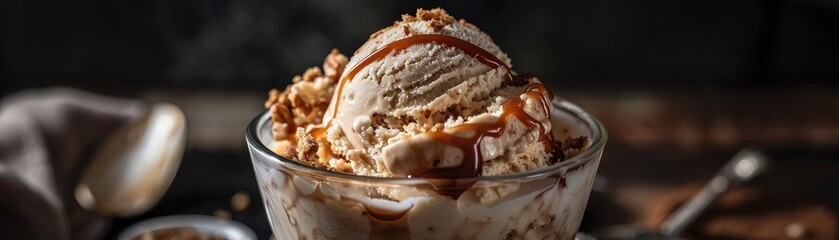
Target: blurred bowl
[191, 226]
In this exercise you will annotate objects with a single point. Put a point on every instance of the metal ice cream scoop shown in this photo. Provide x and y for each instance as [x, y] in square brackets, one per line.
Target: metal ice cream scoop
[133, 168]
[742, 167]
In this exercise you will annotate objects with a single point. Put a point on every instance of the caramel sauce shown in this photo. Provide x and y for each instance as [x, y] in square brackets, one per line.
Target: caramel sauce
[479, 53]
[473, 161]
[472, 164]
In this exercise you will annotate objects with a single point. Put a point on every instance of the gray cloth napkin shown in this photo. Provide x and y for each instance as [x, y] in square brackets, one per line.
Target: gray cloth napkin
[46, 136]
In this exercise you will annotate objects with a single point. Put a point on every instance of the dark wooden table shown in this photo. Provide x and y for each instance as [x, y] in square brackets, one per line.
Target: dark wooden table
[658, 140]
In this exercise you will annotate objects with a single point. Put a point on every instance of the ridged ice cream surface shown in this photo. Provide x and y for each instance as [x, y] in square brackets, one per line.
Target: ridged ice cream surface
[430, 96]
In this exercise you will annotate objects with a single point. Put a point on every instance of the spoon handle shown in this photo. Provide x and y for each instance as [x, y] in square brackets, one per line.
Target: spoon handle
[742, 167]
[681, 219]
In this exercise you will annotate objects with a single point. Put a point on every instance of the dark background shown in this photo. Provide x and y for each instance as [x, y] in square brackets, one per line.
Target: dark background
[224, 44]
[680, 85]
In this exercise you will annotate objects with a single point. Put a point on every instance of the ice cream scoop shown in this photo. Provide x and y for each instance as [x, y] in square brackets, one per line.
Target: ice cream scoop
[744, 166]
[430, 114]
[434, 97]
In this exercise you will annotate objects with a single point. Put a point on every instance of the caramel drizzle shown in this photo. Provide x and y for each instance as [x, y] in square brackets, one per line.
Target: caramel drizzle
[479, 53]
[471, 146]
[473, 161]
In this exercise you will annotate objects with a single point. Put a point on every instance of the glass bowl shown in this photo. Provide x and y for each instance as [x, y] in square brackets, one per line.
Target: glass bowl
[546, 203]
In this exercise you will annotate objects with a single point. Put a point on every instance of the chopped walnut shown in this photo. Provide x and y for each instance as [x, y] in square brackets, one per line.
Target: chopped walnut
[273, 97]
[279, 106]
[334, 64]
[437, 18]
[290, 152]
[311, 74]
[307, 150]
[283, 121]
[305, 101]
[301, 104]
[296, 79]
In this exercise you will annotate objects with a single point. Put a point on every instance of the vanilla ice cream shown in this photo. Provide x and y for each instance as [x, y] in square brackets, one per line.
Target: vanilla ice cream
[431, 96]
[424, 133]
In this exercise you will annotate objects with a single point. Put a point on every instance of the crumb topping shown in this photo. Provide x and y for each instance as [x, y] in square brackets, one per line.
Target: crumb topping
[304, 101]
[436, 18]
[306, 150]
[334, 65]
[301, 104]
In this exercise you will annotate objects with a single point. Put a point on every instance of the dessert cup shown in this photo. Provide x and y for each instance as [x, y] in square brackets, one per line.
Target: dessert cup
[304, 202]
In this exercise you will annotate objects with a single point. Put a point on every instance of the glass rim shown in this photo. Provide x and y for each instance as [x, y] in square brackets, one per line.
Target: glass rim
[598, 141]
